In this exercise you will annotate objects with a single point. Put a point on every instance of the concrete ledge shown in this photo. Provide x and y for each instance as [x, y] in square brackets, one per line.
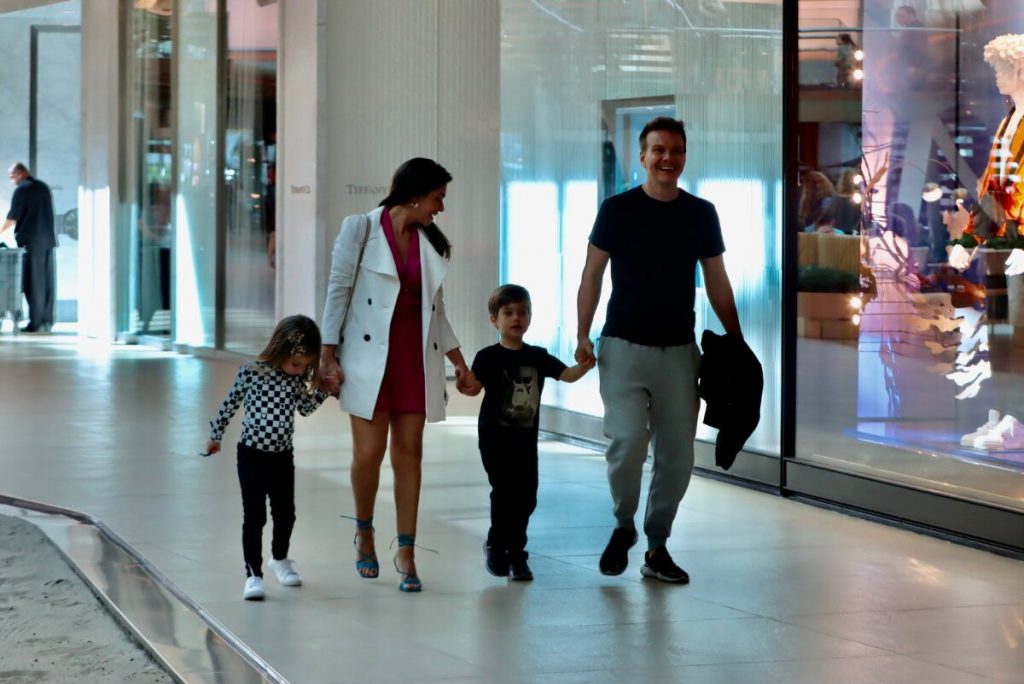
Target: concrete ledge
[178, 632]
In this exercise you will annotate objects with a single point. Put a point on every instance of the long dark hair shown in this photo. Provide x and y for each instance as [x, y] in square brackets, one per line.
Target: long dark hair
[415, 178]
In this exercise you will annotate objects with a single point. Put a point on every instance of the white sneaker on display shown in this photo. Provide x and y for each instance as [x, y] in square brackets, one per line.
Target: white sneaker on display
[253, 589]
[284, 570]
[965, 376]
[969, 392]
[1007, 435]
[969, 440]
[1015, 264]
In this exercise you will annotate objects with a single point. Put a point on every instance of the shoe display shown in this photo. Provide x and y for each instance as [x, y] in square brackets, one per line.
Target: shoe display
[616, 555]
[969, 440]
[496, 561]
[519, 570]
[284, 570]
[1006, 435]
[969, 392]
[968, 374]
[253, 589]
[658, 564]
[1015, 263]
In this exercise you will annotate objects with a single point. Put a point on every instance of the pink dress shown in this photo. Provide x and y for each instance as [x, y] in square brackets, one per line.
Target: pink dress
[403, 389]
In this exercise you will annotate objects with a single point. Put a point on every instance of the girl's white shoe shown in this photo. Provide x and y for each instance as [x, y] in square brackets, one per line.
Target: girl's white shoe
[253, 589]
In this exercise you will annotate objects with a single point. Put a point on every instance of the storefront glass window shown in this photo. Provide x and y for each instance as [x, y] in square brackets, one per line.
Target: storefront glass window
[911, 308]
[146, 228]
[579, 81]
[249, 175]
[196, 201]
[41, 110]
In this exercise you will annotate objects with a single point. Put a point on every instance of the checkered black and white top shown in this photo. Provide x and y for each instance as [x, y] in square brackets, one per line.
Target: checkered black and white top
[271, 398]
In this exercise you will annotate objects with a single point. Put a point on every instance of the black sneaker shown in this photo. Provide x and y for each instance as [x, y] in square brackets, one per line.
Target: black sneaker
[519, 570]
[497, 561]
[616, 555]
[659, 565]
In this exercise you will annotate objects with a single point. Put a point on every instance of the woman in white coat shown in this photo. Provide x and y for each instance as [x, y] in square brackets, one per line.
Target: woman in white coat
[385, 336]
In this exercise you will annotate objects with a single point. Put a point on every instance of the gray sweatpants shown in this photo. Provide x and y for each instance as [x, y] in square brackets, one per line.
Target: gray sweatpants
[650, 395]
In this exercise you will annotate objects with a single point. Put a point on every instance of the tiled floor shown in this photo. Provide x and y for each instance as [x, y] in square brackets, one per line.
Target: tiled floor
[781, 592]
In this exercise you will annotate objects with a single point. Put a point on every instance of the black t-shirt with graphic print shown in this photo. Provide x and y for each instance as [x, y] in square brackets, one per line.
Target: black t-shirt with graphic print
[654, 248]
[513, 380]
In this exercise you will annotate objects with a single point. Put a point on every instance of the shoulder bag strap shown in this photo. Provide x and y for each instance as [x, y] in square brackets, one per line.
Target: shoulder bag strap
[355, 276]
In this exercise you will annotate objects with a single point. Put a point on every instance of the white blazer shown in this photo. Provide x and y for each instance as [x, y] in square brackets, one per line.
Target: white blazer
[363, 345]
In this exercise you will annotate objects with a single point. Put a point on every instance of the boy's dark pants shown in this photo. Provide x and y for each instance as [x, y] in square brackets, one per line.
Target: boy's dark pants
[265, 474]
[510, 459]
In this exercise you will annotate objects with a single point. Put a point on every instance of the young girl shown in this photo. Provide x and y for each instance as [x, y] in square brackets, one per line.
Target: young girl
[281, 380]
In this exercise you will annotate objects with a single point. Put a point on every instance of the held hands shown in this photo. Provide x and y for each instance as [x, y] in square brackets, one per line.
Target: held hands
[466, 382]
[585, 352]
[574, 373]
[212, 447]
[331, 375]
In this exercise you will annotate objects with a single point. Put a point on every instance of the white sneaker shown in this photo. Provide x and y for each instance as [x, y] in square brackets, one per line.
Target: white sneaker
[253, 589]
[965, 376]
[284, 570]
[1015, 264]
[1007, 435]
[969, 440]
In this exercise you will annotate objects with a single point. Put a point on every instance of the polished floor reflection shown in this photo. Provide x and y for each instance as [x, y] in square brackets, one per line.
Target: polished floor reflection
[781, 591]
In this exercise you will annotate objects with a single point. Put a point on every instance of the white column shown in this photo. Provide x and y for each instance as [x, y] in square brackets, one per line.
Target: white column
[97, 194]
[299, 141]
[412, 78]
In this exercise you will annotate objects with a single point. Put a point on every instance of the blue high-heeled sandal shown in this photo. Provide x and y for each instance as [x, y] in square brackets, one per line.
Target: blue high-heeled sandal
[366, 563]
[409, 582]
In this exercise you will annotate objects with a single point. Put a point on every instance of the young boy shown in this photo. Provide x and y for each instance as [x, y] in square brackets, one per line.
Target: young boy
[512, 374]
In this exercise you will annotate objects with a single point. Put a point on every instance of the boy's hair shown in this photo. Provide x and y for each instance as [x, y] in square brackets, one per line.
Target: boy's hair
[507, 294]
[663, 123]
[296, 334]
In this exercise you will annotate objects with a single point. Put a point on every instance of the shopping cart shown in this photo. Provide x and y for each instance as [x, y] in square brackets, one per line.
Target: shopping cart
[10, 284]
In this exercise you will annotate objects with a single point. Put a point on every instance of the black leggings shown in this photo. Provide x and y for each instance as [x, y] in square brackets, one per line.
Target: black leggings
[263, 475]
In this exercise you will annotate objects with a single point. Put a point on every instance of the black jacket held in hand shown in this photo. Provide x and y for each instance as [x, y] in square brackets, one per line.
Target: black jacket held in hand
[731, 381]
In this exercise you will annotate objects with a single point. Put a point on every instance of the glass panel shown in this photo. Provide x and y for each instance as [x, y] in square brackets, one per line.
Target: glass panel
[195, 210]
[579, 81]
[41, 83]
[249, 173]
[911, 320]
[147, 170]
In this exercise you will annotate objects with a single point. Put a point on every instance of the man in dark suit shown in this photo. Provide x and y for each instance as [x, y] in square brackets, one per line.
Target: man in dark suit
[31, 215]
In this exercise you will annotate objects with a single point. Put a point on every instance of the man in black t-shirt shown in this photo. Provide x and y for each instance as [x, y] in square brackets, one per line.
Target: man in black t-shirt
[31, 214]
[654, 236]
[512, 374]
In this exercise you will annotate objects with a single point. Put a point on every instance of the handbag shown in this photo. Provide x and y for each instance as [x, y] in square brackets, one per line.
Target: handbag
[355, 276]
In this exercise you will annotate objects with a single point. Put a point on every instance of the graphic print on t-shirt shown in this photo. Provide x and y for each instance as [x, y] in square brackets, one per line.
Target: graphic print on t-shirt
[522, 397]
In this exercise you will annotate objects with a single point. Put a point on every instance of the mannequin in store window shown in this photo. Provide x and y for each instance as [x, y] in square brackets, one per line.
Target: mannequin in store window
[1001, 188]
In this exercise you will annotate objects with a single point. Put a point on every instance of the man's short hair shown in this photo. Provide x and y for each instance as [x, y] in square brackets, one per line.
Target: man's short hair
[663, 123]
[1006, 49]
[505, 295]
[18, 167]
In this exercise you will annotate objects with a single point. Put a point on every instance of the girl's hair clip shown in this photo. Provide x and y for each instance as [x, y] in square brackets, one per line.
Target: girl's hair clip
[295, 339]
